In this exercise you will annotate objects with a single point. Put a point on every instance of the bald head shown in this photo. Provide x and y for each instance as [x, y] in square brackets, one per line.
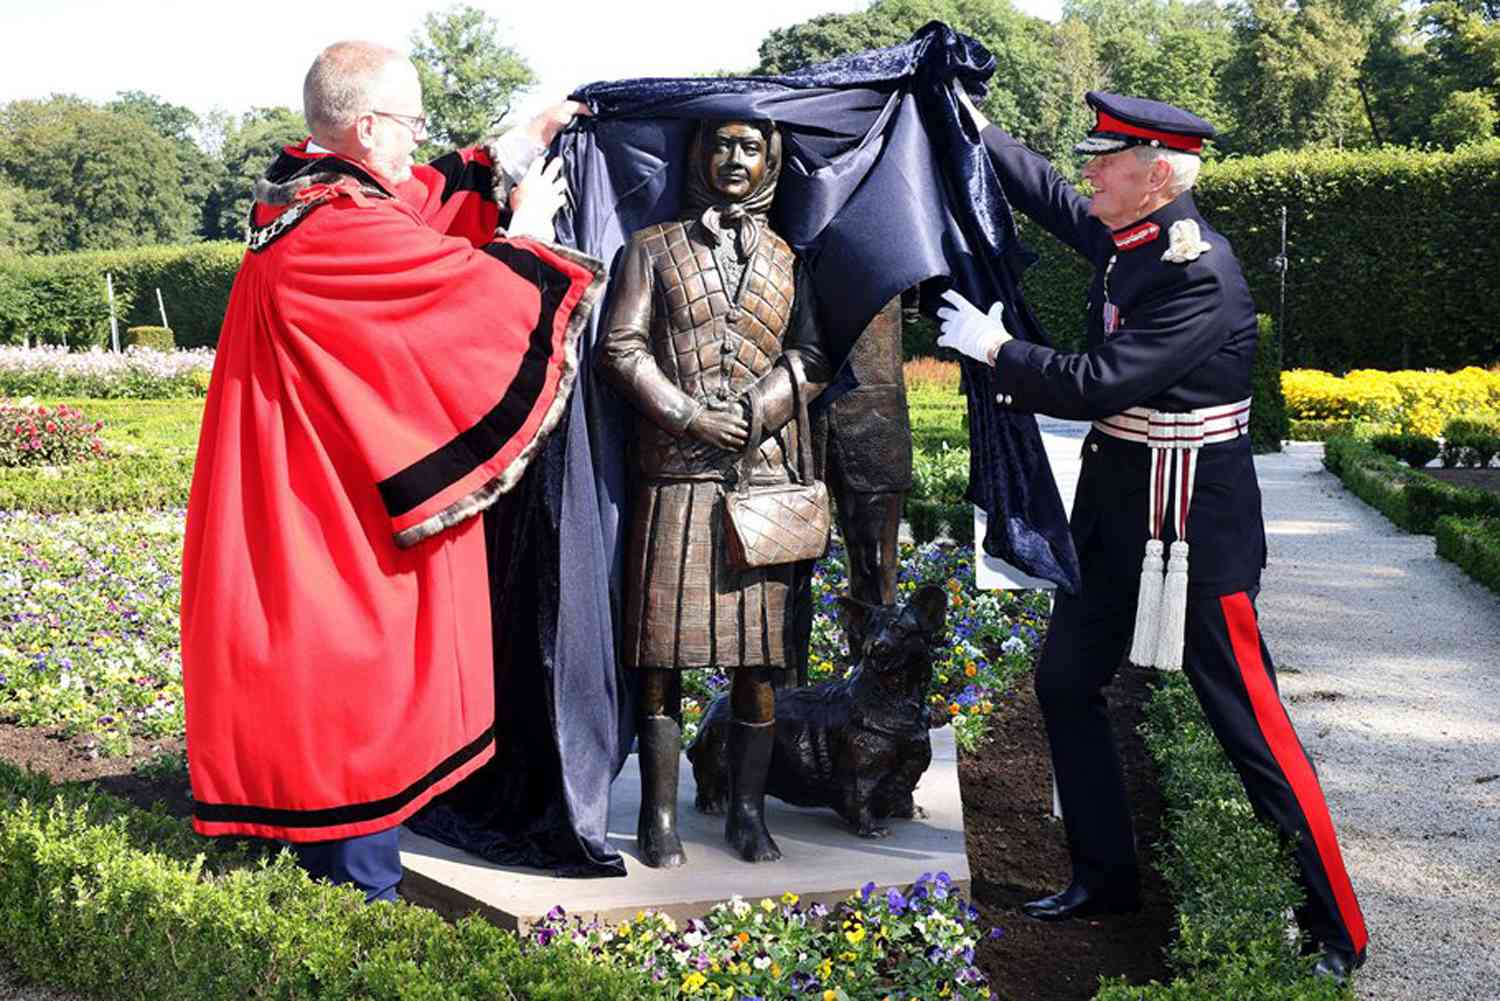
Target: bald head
[364, 102]
[347, 80]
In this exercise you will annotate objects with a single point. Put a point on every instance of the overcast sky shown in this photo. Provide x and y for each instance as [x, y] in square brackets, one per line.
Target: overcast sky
[236, 56]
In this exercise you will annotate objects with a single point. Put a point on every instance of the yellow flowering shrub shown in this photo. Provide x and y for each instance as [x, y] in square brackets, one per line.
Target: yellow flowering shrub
[1414, 402]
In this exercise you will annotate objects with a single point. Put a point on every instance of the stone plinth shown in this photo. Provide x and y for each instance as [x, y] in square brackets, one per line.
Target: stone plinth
[822, 860]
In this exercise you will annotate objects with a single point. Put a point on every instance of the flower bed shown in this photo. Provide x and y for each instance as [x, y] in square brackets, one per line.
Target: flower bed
[918, 944]
[88, 624]
[33, 434]
[137, 373]
[1412, 402]
[151, 446]
[993, 638]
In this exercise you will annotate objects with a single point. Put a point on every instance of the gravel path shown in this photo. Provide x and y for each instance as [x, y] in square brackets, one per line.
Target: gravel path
[1390, 660]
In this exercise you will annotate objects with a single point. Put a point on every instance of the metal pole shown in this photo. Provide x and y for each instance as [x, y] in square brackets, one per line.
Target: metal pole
[1282, 263]
[162, 306]
[114, 324]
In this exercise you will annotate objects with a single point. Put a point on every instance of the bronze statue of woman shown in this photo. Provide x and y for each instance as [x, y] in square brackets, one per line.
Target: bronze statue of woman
[703, 307]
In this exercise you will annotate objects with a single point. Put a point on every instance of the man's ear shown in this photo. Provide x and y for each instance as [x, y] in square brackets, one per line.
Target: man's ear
[1160, 175]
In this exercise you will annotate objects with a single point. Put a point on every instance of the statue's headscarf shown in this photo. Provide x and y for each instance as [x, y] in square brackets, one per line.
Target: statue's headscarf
[717, 212]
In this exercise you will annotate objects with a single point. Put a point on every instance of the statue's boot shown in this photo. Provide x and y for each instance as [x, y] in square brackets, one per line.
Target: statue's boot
[656, 829]
[750, 746]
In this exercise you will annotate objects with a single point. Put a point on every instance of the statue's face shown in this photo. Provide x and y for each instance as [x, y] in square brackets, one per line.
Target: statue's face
[736, 160]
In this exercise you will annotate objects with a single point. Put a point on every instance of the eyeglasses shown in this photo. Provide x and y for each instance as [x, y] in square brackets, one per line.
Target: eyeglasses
[417, 124]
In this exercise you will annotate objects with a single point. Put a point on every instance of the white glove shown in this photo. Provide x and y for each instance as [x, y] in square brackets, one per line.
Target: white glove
[536, 199]
[970, 332]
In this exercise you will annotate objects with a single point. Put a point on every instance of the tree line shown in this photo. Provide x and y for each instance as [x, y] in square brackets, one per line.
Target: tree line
[1270, 74]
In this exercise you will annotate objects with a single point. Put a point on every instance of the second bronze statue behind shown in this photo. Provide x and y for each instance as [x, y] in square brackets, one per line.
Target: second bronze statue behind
[703, 308]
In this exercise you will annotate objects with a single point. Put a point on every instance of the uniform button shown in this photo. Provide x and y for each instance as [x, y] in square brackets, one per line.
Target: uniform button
[1010, 399]
[999, 397]
[1093, 446]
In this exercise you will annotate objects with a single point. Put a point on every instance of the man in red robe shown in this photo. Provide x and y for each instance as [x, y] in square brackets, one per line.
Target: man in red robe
[388, 366]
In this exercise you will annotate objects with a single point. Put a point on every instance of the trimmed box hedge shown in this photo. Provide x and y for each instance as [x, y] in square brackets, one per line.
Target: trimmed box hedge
[1411, 499]
[1232, 877]
[1357, 222]
[101, 897]
[1474, 544]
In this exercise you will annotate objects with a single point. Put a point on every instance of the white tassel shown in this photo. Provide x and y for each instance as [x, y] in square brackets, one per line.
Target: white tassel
[1148, 607]
[1173, 610]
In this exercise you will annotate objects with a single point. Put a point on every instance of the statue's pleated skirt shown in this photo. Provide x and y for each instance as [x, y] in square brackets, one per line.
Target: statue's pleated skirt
[684, 606]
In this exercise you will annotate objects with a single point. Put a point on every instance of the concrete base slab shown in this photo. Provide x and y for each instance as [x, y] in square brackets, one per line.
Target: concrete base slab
[822, 860]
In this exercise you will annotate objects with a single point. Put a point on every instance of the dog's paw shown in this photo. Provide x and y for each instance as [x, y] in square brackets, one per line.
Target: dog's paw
[917, 813]
[874, 832]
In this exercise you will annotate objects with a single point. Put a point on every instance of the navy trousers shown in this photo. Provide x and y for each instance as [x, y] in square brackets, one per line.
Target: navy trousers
[371, 862]
[1230, 670]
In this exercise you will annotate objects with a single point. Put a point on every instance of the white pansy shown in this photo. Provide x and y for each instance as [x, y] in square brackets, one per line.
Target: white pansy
[1185, 241]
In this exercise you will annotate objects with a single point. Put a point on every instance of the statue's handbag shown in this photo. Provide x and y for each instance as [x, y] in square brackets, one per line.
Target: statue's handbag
[783, 522]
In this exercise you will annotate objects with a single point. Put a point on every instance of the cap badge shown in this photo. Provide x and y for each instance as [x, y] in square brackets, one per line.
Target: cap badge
[1136, 236]
[1185, 242]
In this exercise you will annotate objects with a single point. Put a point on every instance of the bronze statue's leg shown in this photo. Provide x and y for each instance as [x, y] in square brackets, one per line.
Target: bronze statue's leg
[752, 737]
[661, 693]
[870, 523]
[659, 735]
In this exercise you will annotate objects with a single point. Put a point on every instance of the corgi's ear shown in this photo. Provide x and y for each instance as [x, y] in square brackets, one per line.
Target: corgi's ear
[930, 604]
[856, 617]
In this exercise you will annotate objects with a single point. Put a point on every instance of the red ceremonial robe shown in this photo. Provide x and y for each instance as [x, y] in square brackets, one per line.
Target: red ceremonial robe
[386, 369]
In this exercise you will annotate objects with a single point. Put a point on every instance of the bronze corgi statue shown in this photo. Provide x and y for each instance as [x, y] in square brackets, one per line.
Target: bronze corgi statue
[858, 745]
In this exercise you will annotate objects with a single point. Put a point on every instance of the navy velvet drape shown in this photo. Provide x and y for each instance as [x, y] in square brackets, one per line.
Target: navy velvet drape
[884, 187]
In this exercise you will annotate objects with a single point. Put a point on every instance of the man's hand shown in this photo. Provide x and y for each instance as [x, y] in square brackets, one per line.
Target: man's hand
[975, 115]
[546, 125]
[726, 429]
[536, 199]
[970, 332]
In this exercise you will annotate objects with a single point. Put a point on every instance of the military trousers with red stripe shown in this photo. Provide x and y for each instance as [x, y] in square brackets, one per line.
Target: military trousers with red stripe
[1231, 671]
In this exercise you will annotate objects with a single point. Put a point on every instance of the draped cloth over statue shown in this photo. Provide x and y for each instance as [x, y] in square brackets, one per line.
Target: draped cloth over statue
[883, 188]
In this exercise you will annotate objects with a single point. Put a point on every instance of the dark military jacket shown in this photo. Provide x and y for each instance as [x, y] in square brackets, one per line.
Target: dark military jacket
[1163, 334]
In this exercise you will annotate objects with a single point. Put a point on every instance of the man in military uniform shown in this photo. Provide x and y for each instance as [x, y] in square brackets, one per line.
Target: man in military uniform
[1166, 381]
[703, 311]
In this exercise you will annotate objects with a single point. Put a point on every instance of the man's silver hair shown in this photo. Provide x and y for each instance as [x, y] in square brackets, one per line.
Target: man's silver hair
[1184, 166]
[338, 87]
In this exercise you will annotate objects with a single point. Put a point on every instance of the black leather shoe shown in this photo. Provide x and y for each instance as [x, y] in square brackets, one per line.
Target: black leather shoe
[1336, 965]
[1078, 901]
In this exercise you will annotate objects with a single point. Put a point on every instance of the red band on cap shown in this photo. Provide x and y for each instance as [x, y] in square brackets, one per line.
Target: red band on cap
[1171, 140]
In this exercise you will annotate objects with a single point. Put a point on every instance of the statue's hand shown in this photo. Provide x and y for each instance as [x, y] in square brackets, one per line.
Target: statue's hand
[726, 429]
[536, 199]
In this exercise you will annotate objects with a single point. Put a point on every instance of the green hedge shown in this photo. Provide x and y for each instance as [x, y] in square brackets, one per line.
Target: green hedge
[1392, 255]
[1232, 877]
[156, 338]
[1474, 544]
[1411, 499]
[154, 443]
[1269, 425]
[61, 299]
[100, 897]
[1470, 442]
